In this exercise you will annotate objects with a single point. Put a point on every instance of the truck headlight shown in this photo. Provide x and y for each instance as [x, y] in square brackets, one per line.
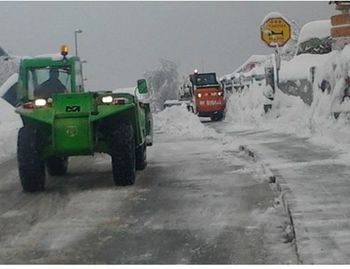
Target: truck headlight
[107, 99]
[40, 102]
[199, 95]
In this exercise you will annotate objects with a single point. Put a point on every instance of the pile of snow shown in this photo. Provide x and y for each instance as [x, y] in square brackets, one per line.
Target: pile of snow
[9, 124]
[287, 114]
[178, 121]
[299, 66]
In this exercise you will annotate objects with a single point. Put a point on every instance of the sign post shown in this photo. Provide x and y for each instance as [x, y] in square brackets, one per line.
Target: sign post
[275, 32]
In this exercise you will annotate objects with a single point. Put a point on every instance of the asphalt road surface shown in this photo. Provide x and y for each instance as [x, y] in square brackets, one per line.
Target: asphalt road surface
[198, 202]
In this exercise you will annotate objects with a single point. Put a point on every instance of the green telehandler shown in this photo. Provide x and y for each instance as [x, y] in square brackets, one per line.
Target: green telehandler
[60, 120]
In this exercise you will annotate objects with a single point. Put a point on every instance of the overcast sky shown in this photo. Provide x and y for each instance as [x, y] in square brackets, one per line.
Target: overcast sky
[121, 40]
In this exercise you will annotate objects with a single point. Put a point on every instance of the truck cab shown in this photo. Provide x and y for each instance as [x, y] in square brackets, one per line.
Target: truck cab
[208, 96]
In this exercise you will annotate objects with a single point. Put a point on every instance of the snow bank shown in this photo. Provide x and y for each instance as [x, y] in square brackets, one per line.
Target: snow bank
[9, 124]
[178, 121]
[299, 66]
[287, 115]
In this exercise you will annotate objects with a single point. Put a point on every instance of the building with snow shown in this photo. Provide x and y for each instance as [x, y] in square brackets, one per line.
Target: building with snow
[252, 69]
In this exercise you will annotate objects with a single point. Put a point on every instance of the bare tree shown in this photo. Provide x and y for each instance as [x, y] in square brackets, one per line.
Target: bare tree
[162, 83]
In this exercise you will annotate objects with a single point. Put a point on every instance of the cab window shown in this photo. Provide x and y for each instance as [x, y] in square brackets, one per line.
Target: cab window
[44, 82]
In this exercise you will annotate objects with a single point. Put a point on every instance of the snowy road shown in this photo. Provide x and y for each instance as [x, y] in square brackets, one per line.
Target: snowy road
[198, 201]
[315, 179]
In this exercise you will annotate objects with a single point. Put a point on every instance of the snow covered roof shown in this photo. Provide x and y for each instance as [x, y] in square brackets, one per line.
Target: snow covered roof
[257, 69]
[53, 56]
[258, 59]
[315, 29]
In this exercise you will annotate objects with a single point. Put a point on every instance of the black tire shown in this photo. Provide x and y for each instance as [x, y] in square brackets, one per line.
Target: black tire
[217, 117]
[123, 154]
[57, 166]
[267, 108]
[141, 157]
[30, 165]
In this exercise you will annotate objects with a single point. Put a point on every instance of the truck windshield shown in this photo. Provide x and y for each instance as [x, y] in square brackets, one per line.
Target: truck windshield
[44, 82]
[205, 79]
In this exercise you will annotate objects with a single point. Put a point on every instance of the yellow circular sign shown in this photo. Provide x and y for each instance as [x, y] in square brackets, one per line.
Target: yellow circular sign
[275, 31]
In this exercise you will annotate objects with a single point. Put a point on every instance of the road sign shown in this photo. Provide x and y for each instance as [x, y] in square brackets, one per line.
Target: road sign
[275, 31]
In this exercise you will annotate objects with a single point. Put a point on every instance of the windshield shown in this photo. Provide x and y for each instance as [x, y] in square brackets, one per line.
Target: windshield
[44, 82]
[205, 79]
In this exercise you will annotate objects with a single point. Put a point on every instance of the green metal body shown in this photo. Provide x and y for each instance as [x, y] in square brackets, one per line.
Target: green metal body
[78, 122]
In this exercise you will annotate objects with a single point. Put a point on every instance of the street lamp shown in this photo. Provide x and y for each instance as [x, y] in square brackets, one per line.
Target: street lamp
[76, 32]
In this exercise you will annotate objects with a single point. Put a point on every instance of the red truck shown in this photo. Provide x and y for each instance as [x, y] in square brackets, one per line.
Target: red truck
[208, 96]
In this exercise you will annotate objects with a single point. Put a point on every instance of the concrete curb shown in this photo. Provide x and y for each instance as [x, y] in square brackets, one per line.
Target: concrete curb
[281, 188]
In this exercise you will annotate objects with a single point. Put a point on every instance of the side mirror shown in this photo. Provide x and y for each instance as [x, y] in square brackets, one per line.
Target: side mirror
[142, 86]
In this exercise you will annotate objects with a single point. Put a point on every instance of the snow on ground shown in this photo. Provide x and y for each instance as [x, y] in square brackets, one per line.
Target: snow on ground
[178, 121]
[9, 124]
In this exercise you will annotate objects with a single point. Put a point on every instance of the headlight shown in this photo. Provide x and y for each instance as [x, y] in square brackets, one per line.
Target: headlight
[40, 102]
[199, 95]
[220, 93]
[107, 99]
